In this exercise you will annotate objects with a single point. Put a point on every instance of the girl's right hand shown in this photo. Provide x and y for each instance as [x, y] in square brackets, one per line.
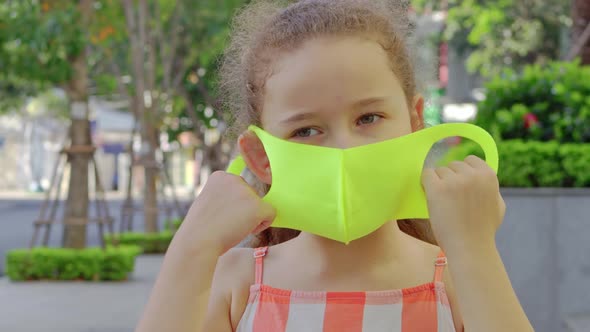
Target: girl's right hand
[225, 212]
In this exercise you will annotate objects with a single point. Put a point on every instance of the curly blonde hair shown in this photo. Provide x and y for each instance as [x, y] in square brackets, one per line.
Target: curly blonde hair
[264, 30]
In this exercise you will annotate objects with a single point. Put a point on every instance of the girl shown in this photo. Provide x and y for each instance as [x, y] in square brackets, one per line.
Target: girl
[333, 73]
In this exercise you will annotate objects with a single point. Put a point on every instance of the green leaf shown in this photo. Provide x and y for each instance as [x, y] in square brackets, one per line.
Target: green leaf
[42, 263]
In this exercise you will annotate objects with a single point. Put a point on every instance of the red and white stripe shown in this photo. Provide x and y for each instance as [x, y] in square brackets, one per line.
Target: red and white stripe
[423, 308]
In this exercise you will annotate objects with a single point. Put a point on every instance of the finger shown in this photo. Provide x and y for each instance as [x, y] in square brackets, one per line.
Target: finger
[502, 208]
[261, 227]
[429, 177]
[475, 162]
[266, 213]
[244, 180]
[460, 167]
[444, 172]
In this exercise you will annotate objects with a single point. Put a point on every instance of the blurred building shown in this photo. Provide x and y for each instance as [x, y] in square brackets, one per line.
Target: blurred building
[30, 141]
[111, 128]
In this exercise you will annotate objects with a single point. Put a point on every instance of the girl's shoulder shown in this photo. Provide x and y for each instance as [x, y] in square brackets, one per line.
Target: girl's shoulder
[234, 274]
[235, 268]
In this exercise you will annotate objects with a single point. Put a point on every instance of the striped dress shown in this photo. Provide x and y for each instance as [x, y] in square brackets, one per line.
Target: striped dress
[424, 308]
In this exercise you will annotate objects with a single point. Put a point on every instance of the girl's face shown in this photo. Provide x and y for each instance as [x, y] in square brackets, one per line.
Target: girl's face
[333, 92]
[336, 92]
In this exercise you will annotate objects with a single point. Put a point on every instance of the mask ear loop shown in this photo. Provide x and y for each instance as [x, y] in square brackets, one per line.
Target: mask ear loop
[237, 166]
[469, 131]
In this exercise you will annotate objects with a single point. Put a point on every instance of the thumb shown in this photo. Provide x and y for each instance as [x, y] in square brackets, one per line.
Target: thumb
[429, 178]
[266, 215]
[261, 227]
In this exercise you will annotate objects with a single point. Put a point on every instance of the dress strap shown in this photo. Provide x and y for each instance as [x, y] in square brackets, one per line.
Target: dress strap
[259, 254]
[439, 266]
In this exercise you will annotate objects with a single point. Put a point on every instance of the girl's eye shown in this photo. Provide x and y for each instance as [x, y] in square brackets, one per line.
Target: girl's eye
[368, 119]
[305, 132]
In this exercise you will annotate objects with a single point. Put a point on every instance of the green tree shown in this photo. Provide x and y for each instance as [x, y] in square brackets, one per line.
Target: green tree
[14, 91]
[43, 42]
[503, 33]
[168, 50]
[199, 106]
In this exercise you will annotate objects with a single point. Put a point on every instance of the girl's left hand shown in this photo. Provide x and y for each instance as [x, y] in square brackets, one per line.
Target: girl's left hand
[464, 203]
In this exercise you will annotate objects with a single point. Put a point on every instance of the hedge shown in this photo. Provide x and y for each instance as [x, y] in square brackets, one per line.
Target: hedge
[542, 102]
[151, 243]
[535, 164]
[175, 223]
[43, 263]
[575, 160]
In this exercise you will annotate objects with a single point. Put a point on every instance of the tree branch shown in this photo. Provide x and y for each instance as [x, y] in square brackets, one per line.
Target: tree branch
[191, 110]
[169, 57]
[137, 58]
[180, 72]
[116, 70]
[577, 48]
[208, 99]
[151, 48]
[129, 19]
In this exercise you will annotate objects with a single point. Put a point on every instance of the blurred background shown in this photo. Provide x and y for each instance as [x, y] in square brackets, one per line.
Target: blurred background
[110, 124]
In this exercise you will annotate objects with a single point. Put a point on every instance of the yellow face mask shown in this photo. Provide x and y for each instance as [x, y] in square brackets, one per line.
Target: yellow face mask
[345, 194]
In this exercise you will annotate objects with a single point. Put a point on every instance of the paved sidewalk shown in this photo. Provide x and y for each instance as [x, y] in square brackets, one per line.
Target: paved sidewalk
[77, 306]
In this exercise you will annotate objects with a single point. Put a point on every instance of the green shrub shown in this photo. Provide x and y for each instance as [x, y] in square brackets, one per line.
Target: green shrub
[176, 223]
[542, 103]
[530, 164]
[42, 263]
[85, 264]
[172, 224]
[576, 163]
[151, 243]
[116, 266]
[534, 164]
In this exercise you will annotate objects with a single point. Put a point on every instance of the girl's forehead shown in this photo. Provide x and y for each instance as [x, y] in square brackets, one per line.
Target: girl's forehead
[325, 71]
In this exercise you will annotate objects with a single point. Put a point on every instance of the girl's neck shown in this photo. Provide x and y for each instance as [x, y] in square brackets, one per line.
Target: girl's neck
[386, 245]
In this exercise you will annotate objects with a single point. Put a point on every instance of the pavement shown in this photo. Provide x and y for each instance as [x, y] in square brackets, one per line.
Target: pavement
[78, 306]
[67, 306]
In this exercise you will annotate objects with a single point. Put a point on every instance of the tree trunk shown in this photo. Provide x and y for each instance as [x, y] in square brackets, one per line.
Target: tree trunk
[76, 206]
[581, 19]
[151, 172]
[137, 31]
[150, 116]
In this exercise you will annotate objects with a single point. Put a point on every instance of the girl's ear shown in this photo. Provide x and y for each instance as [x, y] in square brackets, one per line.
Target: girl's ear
[417, 113]
[252, 150]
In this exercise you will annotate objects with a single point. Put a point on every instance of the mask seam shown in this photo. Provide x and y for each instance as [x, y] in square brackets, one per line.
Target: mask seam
[341, 198]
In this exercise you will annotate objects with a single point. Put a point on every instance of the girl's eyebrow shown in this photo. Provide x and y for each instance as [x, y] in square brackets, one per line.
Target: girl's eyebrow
[370, 101]
[309, 115]
[298, 117]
